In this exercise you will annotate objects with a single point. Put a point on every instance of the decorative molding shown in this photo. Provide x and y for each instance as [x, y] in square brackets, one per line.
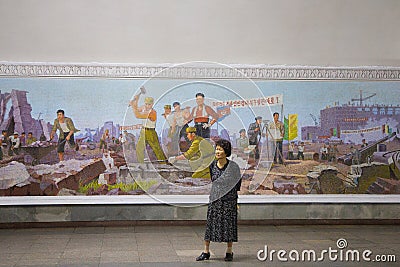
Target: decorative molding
[198, 70]
[197, 199]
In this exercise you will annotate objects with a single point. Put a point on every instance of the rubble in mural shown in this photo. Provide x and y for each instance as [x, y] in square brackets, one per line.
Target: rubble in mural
[374, 178]
[14, 174]
[291, 188]
[18, 179]
[324, 180]
[384, 186]
[18, 158]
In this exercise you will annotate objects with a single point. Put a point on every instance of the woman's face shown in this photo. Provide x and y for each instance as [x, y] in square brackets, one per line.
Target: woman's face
[219, 153]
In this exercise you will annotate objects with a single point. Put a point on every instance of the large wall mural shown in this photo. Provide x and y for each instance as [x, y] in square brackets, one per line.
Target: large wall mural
[76, 134]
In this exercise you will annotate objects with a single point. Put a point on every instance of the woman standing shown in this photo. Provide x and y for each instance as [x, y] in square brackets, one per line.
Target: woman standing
[222, 208]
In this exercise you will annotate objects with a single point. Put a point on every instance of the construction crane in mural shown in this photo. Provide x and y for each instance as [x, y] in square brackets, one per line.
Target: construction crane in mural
[361, 99]
[314, 119]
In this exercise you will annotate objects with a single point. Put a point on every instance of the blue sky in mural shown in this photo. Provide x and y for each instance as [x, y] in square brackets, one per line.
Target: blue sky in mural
[91, 102]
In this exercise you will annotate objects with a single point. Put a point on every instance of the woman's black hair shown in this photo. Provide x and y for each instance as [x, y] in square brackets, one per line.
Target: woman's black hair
[225, 145]
[200, 94]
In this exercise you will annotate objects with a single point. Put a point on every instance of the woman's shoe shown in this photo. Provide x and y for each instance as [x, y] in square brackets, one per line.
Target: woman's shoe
[229, 257]
[203, 256]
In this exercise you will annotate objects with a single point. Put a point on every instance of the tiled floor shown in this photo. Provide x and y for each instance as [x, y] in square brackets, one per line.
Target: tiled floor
[179, 245]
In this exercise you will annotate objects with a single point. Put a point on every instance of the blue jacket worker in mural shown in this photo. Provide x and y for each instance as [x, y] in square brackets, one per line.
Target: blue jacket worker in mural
[201, 115]
[66, 129]
[222, 208]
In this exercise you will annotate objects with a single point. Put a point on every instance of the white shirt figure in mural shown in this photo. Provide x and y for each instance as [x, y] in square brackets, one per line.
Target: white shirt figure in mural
[276, 132]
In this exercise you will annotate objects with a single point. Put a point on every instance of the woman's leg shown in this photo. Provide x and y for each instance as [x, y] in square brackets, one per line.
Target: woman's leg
[229, 253]
[229, 247]
[207, 246]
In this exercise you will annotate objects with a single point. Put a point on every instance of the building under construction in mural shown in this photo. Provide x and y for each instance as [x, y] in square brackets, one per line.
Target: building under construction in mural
[351, 116]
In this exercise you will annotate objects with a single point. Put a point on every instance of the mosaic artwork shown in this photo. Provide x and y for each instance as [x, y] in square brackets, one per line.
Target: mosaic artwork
[112, 136]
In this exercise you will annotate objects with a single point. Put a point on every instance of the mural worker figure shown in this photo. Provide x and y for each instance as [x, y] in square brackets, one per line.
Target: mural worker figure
[179, 125]
[104, 140]
[148, 134]
[291, 151]
[31, 139]
[3, 144]
[242, 142]
[42, 137]
[300, 151]
[324, 152]
[355, 155]
[15, 143]
[276, 131]
[114, 141]
[121, 139]
[200, 154]
[168, 142]
[254, 133]
[333, 153]
[129, 141]
[201, 115]
[66, 129]
[22, 139]
[167, 114]
[364, 143]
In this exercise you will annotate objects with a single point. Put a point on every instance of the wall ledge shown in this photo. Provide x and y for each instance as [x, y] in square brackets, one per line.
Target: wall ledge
[192, 199]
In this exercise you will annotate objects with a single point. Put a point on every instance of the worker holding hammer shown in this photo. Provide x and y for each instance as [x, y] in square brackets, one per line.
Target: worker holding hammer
[148, 134]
